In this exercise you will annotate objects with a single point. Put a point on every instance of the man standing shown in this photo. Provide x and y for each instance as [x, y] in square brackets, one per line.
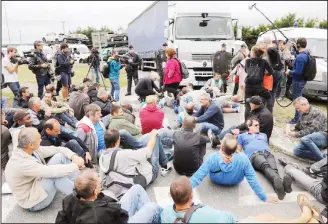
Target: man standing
[298, 83]
[94, 63]
[41, 68]
[65, 63]
[10, 70]
[221, 62]
[285, 56]
[132, 68]
[160, 64]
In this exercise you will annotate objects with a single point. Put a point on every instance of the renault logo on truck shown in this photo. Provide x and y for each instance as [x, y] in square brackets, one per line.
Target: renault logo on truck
[204, 64]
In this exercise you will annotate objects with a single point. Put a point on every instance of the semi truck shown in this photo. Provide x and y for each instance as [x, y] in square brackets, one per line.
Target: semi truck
[196, 30]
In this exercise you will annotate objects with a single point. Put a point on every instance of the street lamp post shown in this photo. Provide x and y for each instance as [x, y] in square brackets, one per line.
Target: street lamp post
[63, 26]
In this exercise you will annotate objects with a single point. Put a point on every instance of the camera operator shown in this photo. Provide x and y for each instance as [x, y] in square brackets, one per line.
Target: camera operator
[65, 63]
[10, 70]
[133, 61]
[41, 68]
[94, 63]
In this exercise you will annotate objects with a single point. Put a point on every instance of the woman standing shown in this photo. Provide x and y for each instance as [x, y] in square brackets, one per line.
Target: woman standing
[172, 73]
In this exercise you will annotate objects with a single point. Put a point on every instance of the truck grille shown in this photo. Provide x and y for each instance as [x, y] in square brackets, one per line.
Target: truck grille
[203, 72]
[202, 57]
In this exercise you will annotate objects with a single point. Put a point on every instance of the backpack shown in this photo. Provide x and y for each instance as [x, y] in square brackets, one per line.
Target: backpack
[275, 59]
[120, 183]
[253, 75]
[183, 69]
[310, 69]
[105, 71]
[188, 214]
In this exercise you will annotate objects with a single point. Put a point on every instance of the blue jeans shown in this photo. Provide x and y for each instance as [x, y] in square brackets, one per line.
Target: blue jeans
[71, 121]
[137, 203]
[115, 91]
[42, 81]
[311, 145]
[298, 89]
[228, 131]
[68, 131]
[95, 72]
[14, 87]
[205, 126]
[51, 185]
[4, 103]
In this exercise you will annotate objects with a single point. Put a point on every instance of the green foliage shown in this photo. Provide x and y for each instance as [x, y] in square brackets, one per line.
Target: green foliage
[323, 24]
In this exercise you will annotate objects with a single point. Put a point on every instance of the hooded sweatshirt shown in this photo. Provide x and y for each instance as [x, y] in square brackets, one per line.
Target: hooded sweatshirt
[231, 173]
[151, 118]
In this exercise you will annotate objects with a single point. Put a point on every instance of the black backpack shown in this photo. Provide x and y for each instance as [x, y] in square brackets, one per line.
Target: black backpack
[105, 71]
[310, 69]
[253, 74]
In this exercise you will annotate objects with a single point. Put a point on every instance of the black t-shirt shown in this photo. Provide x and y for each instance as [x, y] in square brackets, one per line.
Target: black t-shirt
[189, 151]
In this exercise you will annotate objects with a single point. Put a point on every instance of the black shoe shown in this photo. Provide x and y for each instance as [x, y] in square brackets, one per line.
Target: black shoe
[279, 188]
[128, 94]
[89, 165]
[287, 182]
[215, 142]
[313, 175]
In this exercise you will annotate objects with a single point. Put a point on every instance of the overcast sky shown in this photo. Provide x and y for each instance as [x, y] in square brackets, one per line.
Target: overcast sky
[35, 19]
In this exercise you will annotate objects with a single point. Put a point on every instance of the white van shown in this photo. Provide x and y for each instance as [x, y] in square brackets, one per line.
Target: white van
[80, 52]
[317, 44]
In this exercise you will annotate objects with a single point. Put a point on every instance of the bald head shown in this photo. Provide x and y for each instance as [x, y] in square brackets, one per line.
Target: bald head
[189, 122]
[86, 184]
[229, 144]
[181, 191]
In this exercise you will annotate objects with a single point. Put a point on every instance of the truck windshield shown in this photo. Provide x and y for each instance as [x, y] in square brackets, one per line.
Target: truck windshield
[318, 47]
[217, 27]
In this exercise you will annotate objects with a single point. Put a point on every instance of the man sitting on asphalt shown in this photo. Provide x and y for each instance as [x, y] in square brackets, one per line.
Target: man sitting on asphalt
[151, 117]
[210, 117]
[255, 145]
[107, 207]
[147, 161]
[91, 130]
[146, 86]
[21, 100]
[229, 167]
[51, 135]
[188, 111]
[34, 182]
[182, 195]
[78, 101]
[229, 104]
[187, 95]
[52, 89]
[259, 111]
[118, 121]
[37, 115]
[189, 148]
[214, 85]
[103, 102]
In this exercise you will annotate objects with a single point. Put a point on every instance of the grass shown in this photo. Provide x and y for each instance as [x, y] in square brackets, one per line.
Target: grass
[25, 76]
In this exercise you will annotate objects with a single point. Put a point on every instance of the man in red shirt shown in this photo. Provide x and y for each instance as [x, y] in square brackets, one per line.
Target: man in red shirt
[151, 117]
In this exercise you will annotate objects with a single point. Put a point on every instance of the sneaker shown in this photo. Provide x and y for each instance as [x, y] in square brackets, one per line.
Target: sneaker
[279, 188]
[292, 121]
[165, 171]
[312, 174]
[6, 189]
[287, 182]
[128, 94]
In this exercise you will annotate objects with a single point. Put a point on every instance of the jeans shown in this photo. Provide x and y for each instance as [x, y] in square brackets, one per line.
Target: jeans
[132, 75]
[281, 90]
[95, 72]
[51, 185]
[42, 81]
[71, 121]
[308, 183]
[228, 131]
[205, 126]
[265, 163]
[311, 145]
[68, 131]
[74, 146]
[4, 103]
[137, 203]
[298, 89]
[115, 91]
[14, 87]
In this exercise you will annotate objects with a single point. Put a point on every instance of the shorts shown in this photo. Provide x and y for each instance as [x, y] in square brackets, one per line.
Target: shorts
[65, 79]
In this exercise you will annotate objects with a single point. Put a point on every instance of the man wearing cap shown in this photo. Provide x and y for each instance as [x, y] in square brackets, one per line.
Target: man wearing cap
[259, 111]
[132, 68]
[160, 63]
[221, 62]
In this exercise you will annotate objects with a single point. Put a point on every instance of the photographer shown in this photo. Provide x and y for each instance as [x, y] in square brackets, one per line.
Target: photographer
[94, 63]
[41, 68]
[133, 61]
[65, 62]
[10, 70]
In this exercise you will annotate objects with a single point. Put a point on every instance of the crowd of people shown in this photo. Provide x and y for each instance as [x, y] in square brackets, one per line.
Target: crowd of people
[60, 145]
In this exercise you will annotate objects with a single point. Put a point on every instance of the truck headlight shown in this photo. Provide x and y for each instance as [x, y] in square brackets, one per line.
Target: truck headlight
[319, 76]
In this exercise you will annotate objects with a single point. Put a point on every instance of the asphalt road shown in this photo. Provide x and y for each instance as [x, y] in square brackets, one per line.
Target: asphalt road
[240, 199]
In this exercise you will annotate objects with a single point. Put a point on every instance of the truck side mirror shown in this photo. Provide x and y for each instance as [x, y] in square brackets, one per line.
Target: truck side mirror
[239, 33]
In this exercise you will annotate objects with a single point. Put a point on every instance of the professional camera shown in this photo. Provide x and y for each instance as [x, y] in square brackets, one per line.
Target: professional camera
[20, 61]
[94, 51]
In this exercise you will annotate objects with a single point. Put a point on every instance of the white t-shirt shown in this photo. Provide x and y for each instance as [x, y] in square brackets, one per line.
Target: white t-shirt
[7, 76]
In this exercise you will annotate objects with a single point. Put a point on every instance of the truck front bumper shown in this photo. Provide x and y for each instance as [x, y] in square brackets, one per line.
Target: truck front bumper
[316, 90]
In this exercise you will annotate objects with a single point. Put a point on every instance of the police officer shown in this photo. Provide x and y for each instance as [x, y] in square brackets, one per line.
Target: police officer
[160, 64]
[132, 64]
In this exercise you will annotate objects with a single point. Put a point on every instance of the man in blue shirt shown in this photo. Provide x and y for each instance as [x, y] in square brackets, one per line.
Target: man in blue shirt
[182, 195]
[255, 146]
[229, 167]
[298, 83]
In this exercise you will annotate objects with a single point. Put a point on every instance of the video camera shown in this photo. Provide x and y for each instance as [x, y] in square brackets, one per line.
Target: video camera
[20, 61]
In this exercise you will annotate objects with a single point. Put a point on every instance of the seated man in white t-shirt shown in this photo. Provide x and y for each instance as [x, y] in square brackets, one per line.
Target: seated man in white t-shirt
[10, 70]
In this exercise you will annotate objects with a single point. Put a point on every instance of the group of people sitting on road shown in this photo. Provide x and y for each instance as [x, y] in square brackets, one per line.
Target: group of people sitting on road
[58, 146]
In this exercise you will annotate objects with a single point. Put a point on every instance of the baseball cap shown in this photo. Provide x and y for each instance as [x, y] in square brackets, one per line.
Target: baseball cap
[164, 45]
[130, 47]
[19, 115]
[254, 100]
[223, 45]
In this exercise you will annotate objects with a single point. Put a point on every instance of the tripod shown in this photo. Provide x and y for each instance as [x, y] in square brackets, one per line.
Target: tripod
[102, 78]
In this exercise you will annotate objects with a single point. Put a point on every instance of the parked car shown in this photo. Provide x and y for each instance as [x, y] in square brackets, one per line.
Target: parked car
[119, 37]
[53, 37]
[76, 38]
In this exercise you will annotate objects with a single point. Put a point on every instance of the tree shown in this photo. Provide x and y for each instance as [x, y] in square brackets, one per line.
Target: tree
[323, 24]
[310, 23]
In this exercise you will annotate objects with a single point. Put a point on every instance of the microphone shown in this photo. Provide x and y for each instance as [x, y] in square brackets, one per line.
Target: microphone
[251, 6]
